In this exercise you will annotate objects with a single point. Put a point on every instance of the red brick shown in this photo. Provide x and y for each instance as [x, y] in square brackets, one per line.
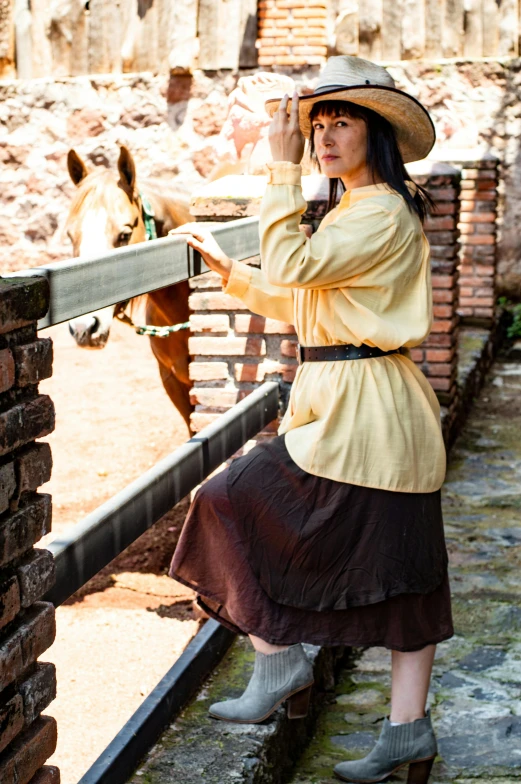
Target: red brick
[214, 300]
[263, 325]
[6, 370]
[208, 371]
[308, 13]
[22, 301]
[443, 281]
[486, 229]
[466, 312]
[9, 600]
[478, 217]
[199, 420]
[469, 174]
[28, 752]
[481, 281]
[208, 280]
[442, 237]
[439, 223]
[214, 397]
[440, 384]
[36, 575]
[446, 339]
[29, 636]
[476, 301]
[257, 372]
[466, 291]
[38, 690]
[443, 194]
[210, 323]
[417, 354]
[483, 312]
[442, 311]
[49, 774]
[470, 194]
[290, 373]
[445, 208]
[288, 348]
[485, 292]
[466, 229]
[231, 347]
[483, 270]
[25, 422]
[443, 295]
[23, 528]
[310, 50]
[7, 485]
[11, 720]
[33, 361]
[444, 325]
[294, 60]
[439, 355]
[33, 466]
[440, 369]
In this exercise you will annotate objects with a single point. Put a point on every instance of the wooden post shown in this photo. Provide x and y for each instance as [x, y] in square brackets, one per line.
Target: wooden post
[183, 36]
[413, 30]
[7, 62]
[392, 30]
[433, 28]
[219, 34]
[452, 36]
[490, 28]
[473, 42]
[104, 37]
[508, 43]
[22, 27]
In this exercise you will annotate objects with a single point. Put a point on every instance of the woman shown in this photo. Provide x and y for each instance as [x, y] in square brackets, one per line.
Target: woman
[332, 532]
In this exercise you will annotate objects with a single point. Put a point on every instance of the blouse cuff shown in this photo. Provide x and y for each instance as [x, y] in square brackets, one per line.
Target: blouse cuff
[284, 173]
[239, 280]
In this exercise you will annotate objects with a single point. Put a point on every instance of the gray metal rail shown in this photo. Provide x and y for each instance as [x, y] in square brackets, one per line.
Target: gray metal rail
[110, 529]
[81, 286]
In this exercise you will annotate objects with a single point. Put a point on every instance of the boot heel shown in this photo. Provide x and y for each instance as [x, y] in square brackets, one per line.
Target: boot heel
[419, 772]
[298, 704]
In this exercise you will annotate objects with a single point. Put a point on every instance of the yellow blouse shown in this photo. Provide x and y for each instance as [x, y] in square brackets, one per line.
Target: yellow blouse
[364, 277]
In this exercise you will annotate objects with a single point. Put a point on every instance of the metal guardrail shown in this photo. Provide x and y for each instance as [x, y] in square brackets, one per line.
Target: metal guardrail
[110, 529]
[81, 286]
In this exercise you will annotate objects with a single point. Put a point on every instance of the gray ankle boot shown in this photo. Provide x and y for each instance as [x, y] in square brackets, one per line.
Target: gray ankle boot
[285, 675]
[412, 744]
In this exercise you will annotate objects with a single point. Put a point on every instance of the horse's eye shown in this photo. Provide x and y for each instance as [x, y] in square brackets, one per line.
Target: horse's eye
[124, 237]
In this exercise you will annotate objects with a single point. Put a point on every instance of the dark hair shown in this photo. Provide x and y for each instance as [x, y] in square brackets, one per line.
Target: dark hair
[384, 158]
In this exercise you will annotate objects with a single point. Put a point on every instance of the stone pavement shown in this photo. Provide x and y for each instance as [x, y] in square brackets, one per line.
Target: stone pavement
[476, 688]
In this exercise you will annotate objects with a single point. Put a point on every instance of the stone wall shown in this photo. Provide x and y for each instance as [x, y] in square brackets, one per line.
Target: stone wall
[234, 351]
[172, 126]
[27, 624]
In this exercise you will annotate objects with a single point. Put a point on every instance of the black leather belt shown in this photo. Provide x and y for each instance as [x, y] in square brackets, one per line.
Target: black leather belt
[333, 353]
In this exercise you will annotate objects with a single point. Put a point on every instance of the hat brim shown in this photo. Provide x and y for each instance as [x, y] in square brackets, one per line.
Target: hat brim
[412, 124]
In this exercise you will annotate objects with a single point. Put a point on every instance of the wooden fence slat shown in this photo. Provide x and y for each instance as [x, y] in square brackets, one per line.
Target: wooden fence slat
[183, 35]
[413, 29]
[473, 29]
[146, 55]
[490, 28]
[7, 55]
[452, 37]
[370, 19]
[248, 34]
[219, 34]
[392, 30]
[345, 28]
[433, 28]
[41, 45]
[508, 43]
[23, 42]
[104, 37]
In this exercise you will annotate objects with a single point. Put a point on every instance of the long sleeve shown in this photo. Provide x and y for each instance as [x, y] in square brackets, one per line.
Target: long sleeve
[263, 298]
[355, 242]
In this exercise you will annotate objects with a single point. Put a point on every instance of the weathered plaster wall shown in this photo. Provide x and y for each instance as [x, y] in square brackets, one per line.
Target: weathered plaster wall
[172, 128]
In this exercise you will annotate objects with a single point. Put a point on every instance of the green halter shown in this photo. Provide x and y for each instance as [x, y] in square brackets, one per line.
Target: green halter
[148, 218]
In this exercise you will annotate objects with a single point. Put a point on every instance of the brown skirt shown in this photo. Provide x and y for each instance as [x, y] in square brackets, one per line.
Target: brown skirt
[291, 557]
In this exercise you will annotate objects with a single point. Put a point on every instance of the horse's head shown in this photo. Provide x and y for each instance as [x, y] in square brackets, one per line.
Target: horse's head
[105, 213]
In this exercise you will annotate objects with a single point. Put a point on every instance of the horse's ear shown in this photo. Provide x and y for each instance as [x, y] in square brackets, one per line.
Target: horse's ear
[77, 169]
[127, 167]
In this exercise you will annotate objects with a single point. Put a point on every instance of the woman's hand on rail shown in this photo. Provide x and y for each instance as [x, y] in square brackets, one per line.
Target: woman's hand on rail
[202, 240]
[285, 137]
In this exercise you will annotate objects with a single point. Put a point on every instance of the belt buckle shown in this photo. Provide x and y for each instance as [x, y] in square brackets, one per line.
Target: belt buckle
[300, 353]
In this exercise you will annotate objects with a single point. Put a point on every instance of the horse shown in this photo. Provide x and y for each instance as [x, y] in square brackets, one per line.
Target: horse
[108, 211]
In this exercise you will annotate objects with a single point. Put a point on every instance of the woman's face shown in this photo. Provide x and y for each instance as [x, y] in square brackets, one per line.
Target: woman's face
[341, 145]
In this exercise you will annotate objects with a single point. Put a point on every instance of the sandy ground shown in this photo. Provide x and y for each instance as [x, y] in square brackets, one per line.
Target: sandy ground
[124, 630]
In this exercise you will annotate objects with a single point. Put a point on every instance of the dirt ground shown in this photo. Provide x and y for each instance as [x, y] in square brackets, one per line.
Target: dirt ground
[118, 636]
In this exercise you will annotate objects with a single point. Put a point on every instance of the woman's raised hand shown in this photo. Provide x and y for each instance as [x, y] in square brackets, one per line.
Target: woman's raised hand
[202, 240]
[285, 137]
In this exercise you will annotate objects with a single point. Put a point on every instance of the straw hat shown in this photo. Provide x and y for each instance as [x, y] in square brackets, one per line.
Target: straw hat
[346, 78]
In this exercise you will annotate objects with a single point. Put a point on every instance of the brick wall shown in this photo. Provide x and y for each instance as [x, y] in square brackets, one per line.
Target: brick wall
[292, 32]
[234, 351]
[27, 625]
[478, 230]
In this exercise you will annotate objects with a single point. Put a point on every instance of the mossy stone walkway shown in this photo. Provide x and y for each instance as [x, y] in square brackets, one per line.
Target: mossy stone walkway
[476, 689]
